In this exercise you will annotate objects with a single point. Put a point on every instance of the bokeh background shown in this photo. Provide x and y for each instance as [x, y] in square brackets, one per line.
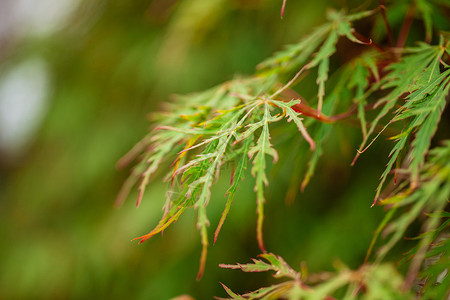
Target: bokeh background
[77, 81]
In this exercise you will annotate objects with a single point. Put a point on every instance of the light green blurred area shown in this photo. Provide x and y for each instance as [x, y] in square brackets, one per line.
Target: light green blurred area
[111, 64]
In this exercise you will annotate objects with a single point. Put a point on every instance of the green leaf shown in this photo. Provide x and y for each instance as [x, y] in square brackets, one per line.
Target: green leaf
[274, 263]
[292, 115]
[427, 89]
[402, 75]
[258, 152]
[238, 176]
[231, 293]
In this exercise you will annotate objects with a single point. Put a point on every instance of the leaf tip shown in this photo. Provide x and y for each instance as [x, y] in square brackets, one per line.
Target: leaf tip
[374, 202]
[139, 199]
[283, 6]
[201, 268]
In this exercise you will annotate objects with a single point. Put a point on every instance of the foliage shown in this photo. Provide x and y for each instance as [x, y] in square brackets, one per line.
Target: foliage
[379, 280]
[232, 126]
[375, 281]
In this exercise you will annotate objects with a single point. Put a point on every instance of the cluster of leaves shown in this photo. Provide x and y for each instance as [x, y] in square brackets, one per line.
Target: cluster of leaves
[229, 127]
[429, 200]
[429, 261]
[377, 282]
[418, 76]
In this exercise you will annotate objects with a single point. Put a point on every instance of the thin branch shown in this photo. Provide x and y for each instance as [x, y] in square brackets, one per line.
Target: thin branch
[367, 41]
[389, 33]
[311, 112]
[291, 81]
[290, 94]
[406, 26]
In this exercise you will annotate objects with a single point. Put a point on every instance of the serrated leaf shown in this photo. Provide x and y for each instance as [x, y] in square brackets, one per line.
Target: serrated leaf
[237, 178]
[231, 293]
[275, 263]
[292, 115]
[258, 152]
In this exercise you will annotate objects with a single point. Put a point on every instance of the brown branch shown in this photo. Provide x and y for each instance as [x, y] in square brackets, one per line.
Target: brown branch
[389, 33]
[287, 85]
[345, 116]
[311, 112]
[406, 26]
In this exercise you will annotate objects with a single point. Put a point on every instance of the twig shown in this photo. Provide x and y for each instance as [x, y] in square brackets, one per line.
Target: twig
[368, 41]
[311, 112]
[291, 81]
[406, 26]
[389, 33]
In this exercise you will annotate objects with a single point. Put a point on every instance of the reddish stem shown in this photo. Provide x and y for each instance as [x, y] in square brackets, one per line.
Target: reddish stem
[389, 33]
[282, 8]
[406, 26]
[311, 112]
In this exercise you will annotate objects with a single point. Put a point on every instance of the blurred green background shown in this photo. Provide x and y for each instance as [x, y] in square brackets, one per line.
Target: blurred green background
[77, 81]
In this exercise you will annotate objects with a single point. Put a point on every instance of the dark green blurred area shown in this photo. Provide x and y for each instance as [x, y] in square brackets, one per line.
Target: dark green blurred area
[112, 64]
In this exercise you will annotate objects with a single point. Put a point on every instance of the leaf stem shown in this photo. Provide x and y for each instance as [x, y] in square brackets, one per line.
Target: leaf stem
[283, 6]
[311, 112]
[406, 26]
[389, 33]
[291, 81]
